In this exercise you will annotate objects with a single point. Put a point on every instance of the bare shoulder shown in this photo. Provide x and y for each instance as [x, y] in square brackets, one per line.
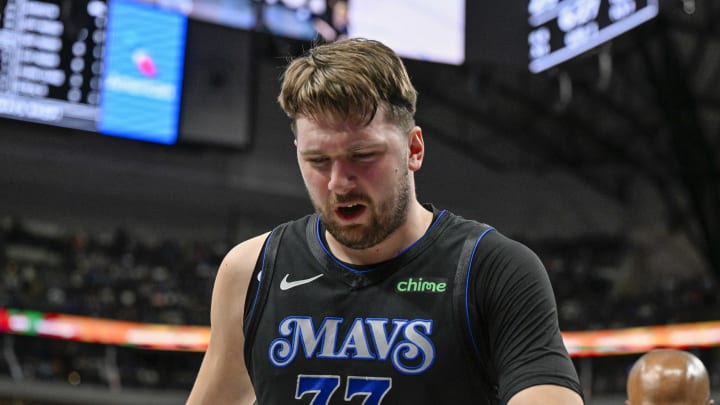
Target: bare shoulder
[238, 264]
[233, 279]
[243, 256]
[232, 282]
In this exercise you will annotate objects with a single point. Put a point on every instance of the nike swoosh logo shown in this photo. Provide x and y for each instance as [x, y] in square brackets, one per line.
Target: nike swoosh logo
[286, 285]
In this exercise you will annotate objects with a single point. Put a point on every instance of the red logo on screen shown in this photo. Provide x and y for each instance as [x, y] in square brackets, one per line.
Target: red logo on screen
[144, 63]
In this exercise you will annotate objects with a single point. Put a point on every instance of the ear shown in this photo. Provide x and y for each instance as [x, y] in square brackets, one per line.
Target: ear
[416, 149]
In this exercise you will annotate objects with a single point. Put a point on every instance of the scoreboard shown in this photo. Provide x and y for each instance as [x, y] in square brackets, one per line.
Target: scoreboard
[113, 67]
[539, 34]
[561, 30]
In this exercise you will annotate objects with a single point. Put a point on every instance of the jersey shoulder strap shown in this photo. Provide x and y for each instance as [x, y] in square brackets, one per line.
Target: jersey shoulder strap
[466, 313]
[260, 285]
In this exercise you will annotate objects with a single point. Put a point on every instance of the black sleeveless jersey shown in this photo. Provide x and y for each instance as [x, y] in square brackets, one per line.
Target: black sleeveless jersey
[462, 316]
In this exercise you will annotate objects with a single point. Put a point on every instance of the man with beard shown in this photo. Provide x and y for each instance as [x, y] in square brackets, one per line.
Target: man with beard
[377, 298]
[667, 377]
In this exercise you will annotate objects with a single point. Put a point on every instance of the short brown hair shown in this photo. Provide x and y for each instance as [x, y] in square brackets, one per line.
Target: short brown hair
[345, 82]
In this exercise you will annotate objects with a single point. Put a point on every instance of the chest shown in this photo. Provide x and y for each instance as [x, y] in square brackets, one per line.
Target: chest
[397, 330]
[347, 302]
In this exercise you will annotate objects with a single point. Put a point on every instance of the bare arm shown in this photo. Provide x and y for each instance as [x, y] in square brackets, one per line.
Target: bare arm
[223, 377]
[546, 395]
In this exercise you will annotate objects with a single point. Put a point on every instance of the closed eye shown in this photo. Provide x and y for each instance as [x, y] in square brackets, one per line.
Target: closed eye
[317, 160]
[364, 155]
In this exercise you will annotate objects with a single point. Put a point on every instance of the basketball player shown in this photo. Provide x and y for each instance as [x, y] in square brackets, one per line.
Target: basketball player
[667, 377]
[377, 298]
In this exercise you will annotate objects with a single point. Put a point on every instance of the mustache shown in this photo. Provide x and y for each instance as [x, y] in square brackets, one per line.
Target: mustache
[352, 197]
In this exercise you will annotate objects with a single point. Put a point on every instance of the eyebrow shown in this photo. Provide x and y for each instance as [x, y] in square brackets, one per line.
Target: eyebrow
[352, 148]
[310, 152]
[366, 145]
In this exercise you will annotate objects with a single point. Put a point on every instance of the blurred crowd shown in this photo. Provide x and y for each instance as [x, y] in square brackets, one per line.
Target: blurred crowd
[606, 283]
[116, 274]
[107, 275]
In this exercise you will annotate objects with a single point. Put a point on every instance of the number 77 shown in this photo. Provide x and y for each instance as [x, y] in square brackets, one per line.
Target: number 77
[324, 386]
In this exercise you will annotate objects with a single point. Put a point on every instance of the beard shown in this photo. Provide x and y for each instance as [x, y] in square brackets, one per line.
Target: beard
[385, 217]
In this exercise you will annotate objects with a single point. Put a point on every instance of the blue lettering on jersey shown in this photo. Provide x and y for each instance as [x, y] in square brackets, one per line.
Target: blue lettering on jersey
[366, 339]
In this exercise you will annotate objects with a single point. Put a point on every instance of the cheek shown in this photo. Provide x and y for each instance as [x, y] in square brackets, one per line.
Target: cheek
[314, 180]
[380, 180]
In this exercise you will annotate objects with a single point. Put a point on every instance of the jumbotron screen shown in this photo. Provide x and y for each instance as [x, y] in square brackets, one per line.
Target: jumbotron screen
[540, 34]
[113, 67]
[563, 29]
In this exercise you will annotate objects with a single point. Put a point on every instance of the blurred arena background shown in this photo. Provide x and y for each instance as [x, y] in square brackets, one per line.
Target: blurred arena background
[140, 140]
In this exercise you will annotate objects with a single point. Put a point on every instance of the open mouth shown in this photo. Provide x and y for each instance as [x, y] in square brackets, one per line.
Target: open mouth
[351, 211]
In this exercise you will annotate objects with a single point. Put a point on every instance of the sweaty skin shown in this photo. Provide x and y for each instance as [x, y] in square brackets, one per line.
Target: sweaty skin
[668, 377]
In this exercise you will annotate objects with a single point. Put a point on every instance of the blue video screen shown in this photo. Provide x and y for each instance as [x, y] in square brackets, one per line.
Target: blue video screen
[142, 76]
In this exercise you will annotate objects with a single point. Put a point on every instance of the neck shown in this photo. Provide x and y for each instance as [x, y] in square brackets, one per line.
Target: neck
[417, 222]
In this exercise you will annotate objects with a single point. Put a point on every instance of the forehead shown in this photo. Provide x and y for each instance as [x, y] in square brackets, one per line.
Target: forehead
[311, 133]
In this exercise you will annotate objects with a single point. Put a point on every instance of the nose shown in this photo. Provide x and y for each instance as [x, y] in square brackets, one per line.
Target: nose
[342, 180]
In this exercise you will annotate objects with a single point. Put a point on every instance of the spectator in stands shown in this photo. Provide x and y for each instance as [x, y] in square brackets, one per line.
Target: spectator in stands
[667, 376]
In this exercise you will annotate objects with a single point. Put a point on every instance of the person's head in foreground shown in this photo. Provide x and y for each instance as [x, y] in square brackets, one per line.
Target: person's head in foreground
[352, 106]
[668, 377]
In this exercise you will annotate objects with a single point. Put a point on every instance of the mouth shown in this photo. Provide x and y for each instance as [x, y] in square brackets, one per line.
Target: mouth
[350, 211]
